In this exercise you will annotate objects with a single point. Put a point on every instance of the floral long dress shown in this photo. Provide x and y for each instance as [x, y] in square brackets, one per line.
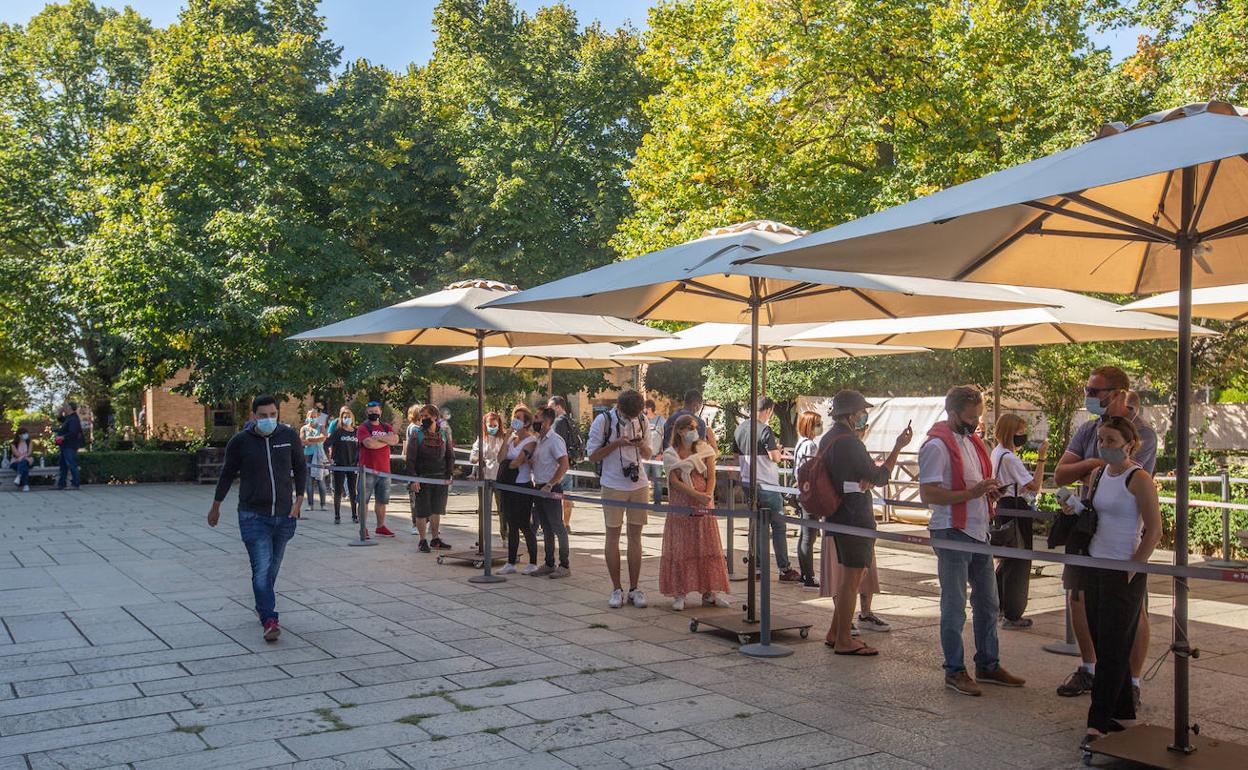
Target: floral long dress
[693, 557]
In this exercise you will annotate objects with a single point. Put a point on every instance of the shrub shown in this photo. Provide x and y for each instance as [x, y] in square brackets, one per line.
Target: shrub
[127, 467]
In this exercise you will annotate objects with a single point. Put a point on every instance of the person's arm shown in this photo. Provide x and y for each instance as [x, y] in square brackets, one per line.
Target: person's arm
[229, 469]
[1071, 468]
[474, 455]
[450, 457]
[525, 454]
[932, 490]
[890, 462]
[389, 439]
[1146, 455]
[559, 472]
[674, 481]
[769, 443]
[1144, 489]
[299, 465]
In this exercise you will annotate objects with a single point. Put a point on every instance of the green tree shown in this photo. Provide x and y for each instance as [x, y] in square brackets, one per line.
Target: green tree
[541, 120]
[72, 70]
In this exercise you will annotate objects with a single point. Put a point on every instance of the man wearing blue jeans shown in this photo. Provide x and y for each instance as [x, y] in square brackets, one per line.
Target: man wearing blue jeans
[269, 460]
[70, 439]
[768, 473]
[955, 481]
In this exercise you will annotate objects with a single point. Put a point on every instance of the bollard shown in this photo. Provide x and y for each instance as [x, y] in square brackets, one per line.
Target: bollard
[1068, 647]
[764, 648]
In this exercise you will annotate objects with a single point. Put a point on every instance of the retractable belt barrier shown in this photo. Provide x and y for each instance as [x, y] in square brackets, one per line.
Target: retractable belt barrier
[1122, 565]
[470, 483]
[683, 510]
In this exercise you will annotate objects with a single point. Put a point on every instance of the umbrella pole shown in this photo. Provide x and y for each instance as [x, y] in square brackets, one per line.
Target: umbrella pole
[762, 517]
[550, 378]
[1181, 647]
[996, 377]
[485, 536]
[762, 374]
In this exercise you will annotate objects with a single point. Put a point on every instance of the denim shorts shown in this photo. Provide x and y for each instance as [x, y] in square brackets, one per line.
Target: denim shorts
[378, 489]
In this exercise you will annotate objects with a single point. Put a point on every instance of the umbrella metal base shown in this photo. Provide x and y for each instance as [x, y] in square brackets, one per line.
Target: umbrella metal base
[362, 542]
[1062, 648]
[491, 578]
[1149, 745]
[732, 622]
[759, 650]
[473, 558]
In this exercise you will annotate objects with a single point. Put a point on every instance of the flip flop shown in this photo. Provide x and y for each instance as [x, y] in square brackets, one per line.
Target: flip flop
[864, 651]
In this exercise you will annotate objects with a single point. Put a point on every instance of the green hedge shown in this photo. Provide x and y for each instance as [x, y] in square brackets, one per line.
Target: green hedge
[126, 467]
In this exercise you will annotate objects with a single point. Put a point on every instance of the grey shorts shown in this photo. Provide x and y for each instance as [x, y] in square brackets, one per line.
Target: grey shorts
[378, 488]
[854, 551]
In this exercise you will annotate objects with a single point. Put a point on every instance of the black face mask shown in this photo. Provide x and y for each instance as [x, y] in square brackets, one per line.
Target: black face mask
[964, 428]
[426, 423]
[1020, 440]
[537, 427]
[374, 418]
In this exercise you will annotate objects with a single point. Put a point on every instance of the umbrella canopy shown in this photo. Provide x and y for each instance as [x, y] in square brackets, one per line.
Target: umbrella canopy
[731, 342]
[454, 317]
[1070, 318]
[1107, 214]
[697, 281]
[597, 355]
[1227, 303]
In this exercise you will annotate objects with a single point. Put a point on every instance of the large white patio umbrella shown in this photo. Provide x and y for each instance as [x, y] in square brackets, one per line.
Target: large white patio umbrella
[453, 317]
[597, 355]
[1159, 205]
[1225, 303]
[1070, 317]
[699, 281]
[731, 342]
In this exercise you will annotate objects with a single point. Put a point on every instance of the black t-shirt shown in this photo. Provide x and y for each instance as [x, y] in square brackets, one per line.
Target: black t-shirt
[343, 446]
[849, 460]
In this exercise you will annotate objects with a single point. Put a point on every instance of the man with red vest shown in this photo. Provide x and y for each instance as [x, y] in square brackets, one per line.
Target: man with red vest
[955, 481]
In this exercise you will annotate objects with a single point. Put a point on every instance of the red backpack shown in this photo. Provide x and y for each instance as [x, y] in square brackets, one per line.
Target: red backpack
[816, 493]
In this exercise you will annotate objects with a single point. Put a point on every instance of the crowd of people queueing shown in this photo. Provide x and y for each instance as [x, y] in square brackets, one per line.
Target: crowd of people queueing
[961, 481]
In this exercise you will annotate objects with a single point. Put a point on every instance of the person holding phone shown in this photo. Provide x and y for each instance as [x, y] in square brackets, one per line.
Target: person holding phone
[955, 480]
[1021, 485]
[514, 470]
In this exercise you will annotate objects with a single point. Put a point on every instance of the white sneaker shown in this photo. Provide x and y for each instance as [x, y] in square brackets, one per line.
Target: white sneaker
[617, 599]
[529, 569]
[716, 600]
[872, 623]
[26, 488]
[637, 598]
[506, 569]
[416, 531]
[678, 603]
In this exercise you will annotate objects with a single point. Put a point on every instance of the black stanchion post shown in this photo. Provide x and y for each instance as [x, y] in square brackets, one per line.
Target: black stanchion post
[487, 537]
[485, 529]
[764, 648]
[361, 480]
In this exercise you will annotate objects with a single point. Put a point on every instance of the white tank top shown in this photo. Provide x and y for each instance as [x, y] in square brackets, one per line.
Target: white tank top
[1118, 523]
[513, 451]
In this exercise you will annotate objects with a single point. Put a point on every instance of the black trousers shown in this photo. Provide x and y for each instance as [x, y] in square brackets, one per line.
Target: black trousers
[1014, 577]
[519, 510]
[341, 479]
[1113, 607]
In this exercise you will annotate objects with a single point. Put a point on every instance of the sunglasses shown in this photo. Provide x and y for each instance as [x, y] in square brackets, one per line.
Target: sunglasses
[1097, 391]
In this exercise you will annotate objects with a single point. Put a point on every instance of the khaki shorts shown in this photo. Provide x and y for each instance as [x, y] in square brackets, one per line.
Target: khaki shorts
[613, 515]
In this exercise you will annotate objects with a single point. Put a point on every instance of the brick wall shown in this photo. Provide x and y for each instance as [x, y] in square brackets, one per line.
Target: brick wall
[164, 407]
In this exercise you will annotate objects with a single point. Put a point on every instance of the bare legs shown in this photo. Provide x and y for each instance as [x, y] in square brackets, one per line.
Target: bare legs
[612, 553]
[843, 616]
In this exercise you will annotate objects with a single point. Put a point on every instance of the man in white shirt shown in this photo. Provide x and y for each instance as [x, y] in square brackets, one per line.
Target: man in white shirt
[549, 463]
[768, 473]
[955, 481]
[617, 442]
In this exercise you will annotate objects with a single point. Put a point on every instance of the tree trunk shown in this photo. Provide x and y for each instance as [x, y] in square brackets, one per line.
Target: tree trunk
[788, 422]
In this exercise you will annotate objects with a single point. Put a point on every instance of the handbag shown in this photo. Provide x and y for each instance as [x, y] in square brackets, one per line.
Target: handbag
[1075, 532]
[1004, 531]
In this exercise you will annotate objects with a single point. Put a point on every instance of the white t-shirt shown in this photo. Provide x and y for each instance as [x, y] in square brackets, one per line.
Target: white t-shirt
[614, 464]
[550, 448]
[768, 471]
[1009, 470]
[934, 468]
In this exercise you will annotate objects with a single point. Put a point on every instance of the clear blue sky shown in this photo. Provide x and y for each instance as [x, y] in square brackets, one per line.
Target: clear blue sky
[398, 32]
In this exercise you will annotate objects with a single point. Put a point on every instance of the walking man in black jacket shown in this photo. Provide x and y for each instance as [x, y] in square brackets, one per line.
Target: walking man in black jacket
[70, 439]
[268, 457]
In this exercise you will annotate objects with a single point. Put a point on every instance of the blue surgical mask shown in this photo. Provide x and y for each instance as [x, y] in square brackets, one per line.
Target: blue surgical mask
[1094, 405]
[1112, 455]
[266, 425]
[691, 436]
[517, 423]
[492, 429]
[862, 422]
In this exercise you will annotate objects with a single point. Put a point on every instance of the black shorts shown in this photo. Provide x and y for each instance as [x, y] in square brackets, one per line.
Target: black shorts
[854, 551]
[1071, 579]
[431, 500]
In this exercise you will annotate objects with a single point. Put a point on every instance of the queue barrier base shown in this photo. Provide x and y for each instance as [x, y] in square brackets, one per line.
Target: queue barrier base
[474, 559]
[1149, 745]
[1062, 648]
[362, 542]
[734, 623]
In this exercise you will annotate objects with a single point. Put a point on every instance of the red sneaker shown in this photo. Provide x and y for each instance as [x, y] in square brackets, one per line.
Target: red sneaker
[384, 532]
[271, 630]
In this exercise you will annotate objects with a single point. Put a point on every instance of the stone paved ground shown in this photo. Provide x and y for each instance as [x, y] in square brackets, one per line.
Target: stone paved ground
[128, 641]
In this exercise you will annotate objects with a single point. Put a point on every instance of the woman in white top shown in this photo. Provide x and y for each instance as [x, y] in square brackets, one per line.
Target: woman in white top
[492, 433]
[1128, 528]
[1014, 575]
[515, 451]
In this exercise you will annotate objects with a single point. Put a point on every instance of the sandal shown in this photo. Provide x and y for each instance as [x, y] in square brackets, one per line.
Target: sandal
[865, 651]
